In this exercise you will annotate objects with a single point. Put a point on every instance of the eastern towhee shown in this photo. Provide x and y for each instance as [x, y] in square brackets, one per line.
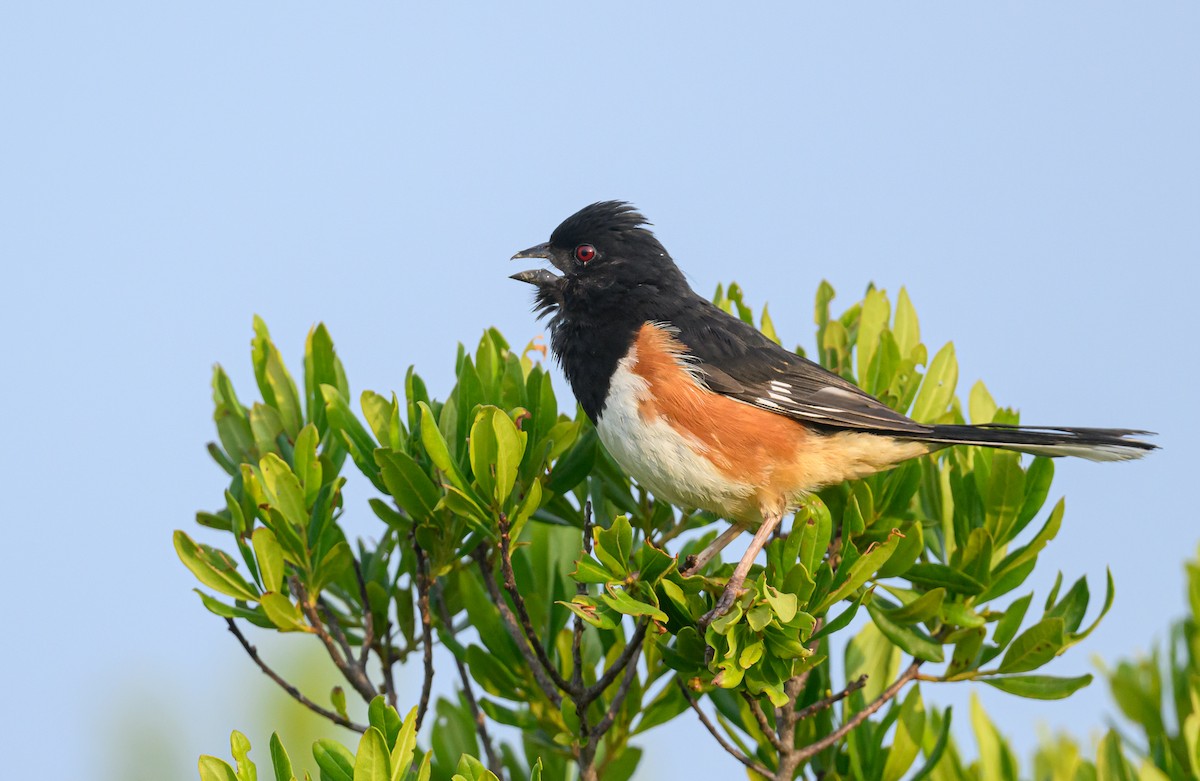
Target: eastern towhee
[705, 411]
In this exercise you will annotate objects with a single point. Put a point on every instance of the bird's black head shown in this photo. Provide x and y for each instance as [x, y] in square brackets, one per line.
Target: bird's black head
[606, 254]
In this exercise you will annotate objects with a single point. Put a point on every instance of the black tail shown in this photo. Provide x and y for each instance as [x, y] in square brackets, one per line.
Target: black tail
[1095, 444]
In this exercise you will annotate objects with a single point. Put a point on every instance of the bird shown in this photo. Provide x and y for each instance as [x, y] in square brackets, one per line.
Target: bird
[706, 412]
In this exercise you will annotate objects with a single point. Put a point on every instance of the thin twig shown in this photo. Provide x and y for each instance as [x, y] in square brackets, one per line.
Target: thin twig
[611, 673]
[368, 618]
[827, 702]
[763, 725]
[721, 741]
[817, 747]
[514, 631]
[619, 697]
[336, 718]
[422, 578]
[350, 670]
[469, 693]
[510, 585]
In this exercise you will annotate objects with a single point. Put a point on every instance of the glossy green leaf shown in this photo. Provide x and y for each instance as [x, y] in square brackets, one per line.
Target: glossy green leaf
[934, 575]
[270, 558]
[1038, 687]
[213, 569]
[408, 483]
[938, 388]
[910, 639]
[281, 763]
[283, 490]
[1034, 647]
[284, 613]
[860, 572]
[334, 759]
[373, 761]
[214, 769]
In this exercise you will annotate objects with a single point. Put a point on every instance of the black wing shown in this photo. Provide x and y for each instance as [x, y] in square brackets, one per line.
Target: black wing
[739, 362]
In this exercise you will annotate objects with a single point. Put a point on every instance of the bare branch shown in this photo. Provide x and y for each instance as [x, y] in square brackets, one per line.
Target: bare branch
[368, 618]
[615, 706]
[813, 749]
[422, 578]
[510, 585]
[514, 631]
[763, 724]
[336, 718]
[827, 702]
[611, 673]
[349, 668]
[721, 741]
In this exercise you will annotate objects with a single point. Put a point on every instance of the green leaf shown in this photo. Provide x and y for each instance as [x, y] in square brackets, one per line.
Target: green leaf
[274, 381]
[934, 575]
[239, 746]
[906, 742]
[860, 572]
[406, 743]
[1029, 553]
[439, 452]
[906, 330]
[283, 489]
[1010, 622]
[213, 769]
[938, 388]
[933, 757]
[307, 466]
[1034, 647]
[408, 483]
[619, 600]
[614, 545]
[1038, 687]
[280, 762]
[283, 613]
[910, 639]
[269, 556]
[510, 450]
[981, 405]
[213, 568]
[334, 759]
[373, 762]
[920, 609]
[874, 317]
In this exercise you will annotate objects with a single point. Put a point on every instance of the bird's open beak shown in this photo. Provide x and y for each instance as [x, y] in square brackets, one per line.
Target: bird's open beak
[540, 276]
[540, 251]
[537, 276]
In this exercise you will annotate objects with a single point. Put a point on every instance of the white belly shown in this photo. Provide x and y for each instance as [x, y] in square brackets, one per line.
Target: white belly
[663, 460]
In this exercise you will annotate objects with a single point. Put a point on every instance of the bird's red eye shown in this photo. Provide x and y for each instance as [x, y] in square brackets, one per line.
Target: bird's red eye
[584, 253]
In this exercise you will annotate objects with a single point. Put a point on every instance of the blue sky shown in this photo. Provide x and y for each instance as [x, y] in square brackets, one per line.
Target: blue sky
[1030, 172]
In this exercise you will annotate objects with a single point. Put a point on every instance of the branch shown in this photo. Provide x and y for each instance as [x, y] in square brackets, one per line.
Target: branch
[725, 744]
[619, 697]
[826, 702]
[426, 630]
[763, 724]
[469, 693]
[611, 673]
[813, 749]
[514, 631]
[336, 718]
[510, 585]
[368, 619]
[350, 670]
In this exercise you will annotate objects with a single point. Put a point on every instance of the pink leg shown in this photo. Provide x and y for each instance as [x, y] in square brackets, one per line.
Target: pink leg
[696, 562]
[733, 589]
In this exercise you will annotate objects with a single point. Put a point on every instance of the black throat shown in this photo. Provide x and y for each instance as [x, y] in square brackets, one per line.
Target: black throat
[591, 331]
